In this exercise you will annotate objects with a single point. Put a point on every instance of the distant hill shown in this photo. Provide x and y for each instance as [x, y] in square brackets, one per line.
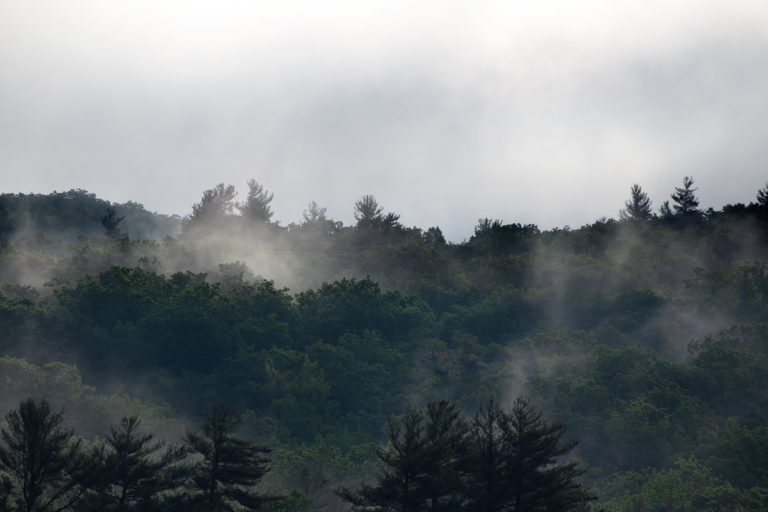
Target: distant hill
[76, 213]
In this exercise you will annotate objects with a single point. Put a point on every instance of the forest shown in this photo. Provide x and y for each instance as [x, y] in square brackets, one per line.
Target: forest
[377, 366]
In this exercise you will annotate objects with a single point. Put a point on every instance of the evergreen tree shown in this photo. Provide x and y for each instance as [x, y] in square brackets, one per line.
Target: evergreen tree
[504, 462]
[686, 203]
[313, 213]
[216, 203]
[487, 227]
[368, 213]
[230, 467]
[256, 206]
[47, 468]
[638, 206]
[445, 457]
[6, 490]
[535, 478]
[486, 463]
[399, 488]
[136, 472]
[665, 211]
[370, 217]
[762, 196]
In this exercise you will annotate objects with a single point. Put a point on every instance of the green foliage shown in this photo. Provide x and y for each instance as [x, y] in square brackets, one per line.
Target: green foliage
[223, 479]
[256, 206]
[111, 221]
[45, 465]
[686, 203]
[40, 220]
[505, 461]
[687, 485]
[638, 207]
[134, 471]
[648, 338]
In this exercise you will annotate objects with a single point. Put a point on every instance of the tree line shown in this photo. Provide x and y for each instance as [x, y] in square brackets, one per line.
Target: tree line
[646, 335]
[498, 461]
[435, 460]
[45, 468]
[62, 211]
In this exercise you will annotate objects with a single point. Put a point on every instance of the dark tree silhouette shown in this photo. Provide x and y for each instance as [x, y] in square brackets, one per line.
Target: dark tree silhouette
[111, 221]
[434, 235]
[256, 206]
[665, 211]
[686, 203]
[504, 461]
[399, 488]
[487, 484]
[6, 488]
[762, 196]
[370, 217]
[487, 227]
[536, 480]
[47, 467]
[230, 467]
[137, 473]
[445, 455]
[216, 203]
[368, 213]
[638, 206]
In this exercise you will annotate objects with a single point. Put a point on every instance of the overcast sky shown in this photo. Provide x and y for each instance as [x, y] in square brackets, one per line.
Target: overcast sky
[536, 112]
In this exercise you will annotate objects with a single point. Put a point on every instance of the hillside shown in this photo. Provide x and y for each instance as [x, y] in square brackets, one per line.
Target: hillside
[647, 335]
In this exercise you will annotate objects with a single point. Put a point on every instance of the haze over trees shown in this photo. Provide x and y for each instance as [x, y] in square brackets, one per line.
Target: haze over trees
[646, 335]
[256, 206]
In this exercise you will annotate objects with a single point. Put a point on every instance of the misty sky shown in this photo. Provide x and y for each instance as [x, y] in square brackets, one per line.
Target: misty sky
[535, 112]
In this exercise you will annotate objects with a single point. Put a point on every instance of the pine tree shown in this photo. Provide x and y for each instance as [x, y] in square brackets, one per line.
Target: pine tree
[256, 206]
[537, 481]
[398, 488]
[371, 218]
[44, 464]
[136, 472]
[762, 196]
[665, 211]
[638, 206]
[314, 213]
[686, 203]
[230, 467]
[6, 490]
[368, 213]
[445, 456]
[216, 203]
[487, 486]
[502, 462]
